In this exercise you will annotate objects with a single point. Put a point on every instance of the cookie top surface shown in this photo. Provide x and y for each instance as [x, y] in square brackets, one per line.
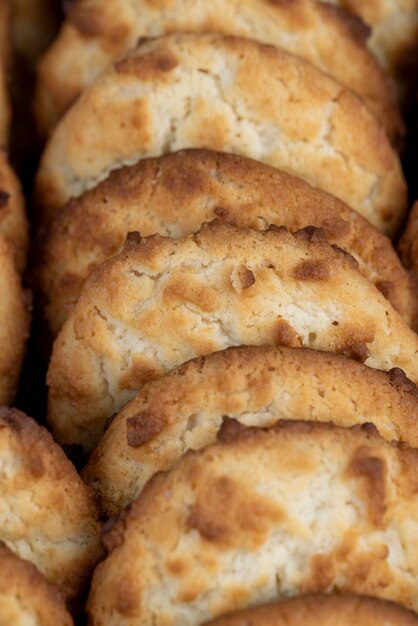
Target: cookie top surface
[232, 95]
[47, 514]
[333, 610]
[26, 597]
[99, 31]
[174, 194]
[163, 301]
[255, 386]
[260, 516]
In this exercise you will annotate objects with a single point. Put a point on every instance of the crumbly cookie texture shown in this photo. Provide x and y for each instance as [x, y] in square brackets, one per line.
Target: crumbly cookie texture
[174, 194]
[47, 514]
[14, 323]
[13, 221]
[393, 34]
[321, 610]
[261, 516]
[232, 95]
[255, 386]
[26, 597]
[163, 301]
[97, 32]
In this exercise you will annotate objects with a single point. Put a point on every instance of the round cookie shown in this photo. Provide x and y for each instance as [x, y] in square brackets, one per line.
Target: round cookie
[231, 95]
[25, 596]
[47, 514]
[394, 32]
[262, 516]
[97, 32]
[14, 323]
[13, 221]
[321, 610]
[163, 301]
[174, 194]
[256, 386]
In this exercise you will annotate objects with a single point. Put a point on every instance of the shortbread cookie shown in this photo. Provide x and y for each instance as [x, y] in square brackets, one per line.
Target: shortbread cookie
[47, 514]
[97, 32]
[25, 596]
[13, 221]
[256, 386]
[175, 194]
[163, 301]
[319, 610]
[261, 516]
[394, 31]
[14, 323]
[232, 95]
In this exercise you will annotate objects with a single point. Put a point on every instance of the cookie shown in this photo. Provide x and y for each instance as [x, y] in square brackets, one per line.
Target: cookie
[26, 597]
[255, 386]
[262, 516]
[393, 33]
[231, 95]
[47, 514]
[97, 32]
[322, 610]
[163, 301]
[13, 221]
[14, 323]
[174, 194]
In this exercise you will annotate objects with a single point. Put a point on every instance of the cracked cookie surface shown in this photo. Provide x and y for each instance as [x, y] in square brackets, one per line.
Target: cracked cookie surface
[97, 32]
[163, 301]
[261, 516]
[255, 386]
[174, 194]
[231, 95]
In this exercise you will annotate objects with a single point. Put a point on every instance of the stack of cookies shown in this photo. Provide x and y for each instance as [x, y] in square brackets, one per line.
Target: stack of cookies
[230, 312]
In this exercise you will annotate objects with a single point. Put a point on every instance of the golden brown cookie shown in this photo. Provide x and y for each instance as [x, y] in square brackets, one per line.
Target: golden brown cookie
[25, 596]
[174, 194]
[47, 514]
[255, 386]
[393, 34]
[13, 221]
[231, 95]
[97, 32]
[263, 516]
[319, 610]
[14, 323]
[163, 301]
